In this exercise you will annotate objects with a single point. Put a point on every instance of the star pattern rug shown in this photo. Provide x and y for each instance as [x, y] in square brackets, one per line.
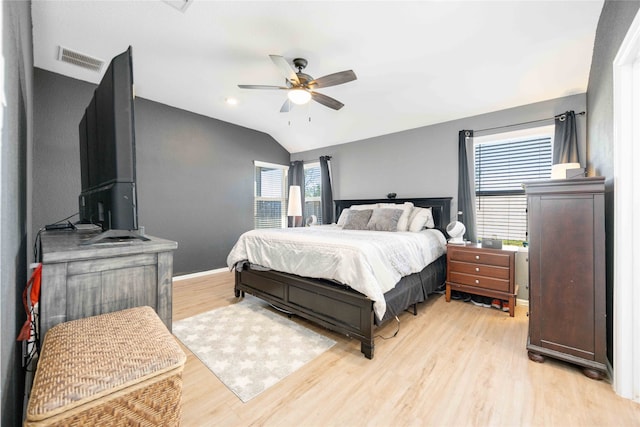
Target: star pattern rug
[249, 346]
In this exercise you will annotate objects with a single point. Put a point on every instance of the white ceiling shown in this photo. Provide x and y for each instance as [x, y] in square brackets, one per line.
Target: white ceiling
[418, 63]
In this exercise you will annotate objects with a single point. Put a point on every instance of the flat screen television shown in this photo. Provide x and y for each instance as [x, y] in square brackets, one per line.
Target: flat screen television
[108, 155]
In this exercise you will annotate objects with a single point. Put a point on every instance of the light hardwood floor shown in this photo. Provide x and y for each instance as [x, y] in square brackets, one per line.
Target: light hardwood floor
[454, 364]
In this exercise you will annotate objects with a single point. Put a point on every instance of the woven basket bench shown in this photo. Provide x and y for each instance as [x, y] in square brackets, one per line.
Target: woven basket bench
[121, 368]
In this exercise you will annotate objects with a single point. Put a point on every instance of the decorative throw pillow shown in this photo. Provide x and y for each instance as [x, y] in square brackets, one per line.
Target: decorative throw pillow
[384, 219]
[343, 217]
[421, 218]
[403, 222]
[357, 220]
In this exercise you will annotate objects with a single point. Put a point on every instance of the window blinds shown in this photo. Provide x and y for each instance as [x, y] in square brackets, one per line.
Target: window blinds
[500, 169]
[270, 196]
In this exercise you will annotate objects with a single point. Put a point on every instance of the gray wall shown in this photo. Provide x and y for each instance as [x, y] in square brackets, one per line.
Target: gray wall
[17, 51]
[194, 173]
[614, 23]
[424, 161]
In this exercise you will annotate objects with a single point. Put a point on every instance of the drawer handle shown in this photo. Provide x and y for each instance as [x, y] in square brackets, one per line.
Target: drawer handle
[477, 269]
[477, 282]
[477, 256]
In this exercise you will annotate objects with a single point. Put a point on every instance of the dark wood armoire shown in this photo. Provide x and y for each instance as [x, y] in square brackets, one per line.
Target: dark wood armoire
[567, 272]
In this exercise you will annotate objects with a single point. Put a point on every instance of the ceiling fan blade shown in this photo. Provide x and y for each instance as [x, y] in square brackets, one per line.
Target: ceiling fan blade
[261, 87]
[327, 101]
[333, 79]
[286, 69]
[287, 106]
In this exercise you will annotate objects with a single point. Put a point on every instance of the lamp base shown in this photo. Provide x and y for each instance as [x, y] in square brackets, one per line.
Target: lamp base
[456, 241]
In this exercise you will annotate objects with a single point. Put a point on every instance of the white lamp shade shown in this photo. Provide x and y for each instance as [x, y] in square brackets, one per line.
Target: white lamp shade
[295, 203]
[559, 170]
[299, 96]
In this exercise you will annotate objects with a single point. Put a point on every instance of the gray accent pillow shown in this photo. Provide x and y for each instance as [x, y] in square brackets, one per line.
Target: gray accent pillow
[384, 219]
[357, 220]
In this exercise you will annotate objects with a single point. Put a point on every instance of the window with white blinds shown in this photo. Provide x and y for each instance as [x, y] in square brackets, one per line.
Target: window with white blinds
[270, 197]
[501, 166]
[312, 191]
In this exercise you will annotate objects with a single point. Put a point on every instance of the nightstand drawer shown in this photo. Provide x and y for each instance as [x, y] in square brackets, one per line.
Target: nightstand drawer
[483, 257]
[480, 270]
[479, 281]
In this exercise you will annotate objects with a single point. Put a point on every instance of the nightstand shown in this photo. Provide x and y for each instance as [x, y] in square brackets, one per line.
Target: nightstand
[482, 271]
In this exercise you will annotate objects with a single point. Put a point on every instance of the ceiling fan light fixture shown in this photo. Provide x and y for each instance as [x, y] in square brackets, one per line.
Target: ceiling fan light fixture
[299, 96]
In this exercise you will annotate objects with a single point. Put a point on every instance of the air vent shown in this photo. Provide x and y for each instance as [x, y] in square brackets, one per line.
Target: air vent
[181, 5]
[79, 59]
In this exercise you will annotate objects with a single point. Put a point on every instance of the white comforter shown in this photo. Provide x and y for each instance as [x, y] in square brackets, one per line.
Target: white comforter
[371, 262]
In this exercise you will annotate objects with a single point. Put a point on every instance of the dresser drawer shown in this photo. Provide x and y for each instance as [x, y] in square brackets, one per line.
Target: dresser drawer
[480, 270]
[478, 257]
[479, 281]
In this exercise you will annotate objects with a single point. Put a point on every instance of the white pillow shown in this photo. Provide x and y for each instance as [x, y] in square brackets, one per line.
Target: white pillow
[403, 222]
[343, 217]
[363, 207]
[421, 218]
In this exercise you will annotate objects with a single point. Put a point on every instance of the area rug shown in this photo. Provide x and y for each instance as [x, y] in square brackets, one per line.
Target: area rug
[248, 346]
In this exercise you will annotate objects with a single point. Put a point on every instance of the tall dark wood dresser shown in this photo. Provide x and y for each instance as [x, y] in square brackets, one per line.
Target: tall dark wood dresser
[567, 272]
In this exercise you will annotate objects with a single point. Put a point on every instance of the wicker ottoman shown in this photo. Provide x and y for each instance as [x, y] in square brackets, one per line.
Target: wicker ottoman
[121, 368]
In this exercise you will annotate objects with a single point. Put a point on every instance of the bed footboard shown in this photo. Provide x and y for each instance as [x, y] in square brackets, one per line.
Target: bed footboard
[341, 310]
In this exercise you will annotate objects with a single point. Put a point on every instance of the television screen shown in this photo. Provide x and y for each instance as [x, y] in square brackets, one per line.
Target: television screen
[107, 152]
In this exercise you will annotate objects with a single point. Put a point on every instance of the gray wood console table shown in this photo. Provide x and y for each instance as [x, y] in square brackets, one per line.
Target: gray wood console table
[81, 281]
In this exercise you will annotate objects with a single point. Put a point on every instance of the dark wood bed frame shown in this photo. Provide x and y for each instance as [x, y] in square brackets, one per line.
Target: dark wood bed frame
[331, 305]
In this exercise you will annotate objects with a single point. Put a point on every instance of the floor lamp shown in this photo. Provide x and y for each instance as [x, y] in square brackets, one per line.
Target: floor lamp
[295, 204]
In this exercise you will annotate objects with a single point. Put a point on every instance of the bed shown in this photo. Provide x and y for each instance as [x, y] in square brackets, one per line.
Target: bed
[339, 305]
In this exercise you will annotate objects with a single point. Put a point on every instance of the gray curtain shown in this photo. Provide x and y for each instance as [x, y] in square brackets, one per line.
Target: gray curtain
[296, 177]
[565, 141]
[466, 192]
[326, 198]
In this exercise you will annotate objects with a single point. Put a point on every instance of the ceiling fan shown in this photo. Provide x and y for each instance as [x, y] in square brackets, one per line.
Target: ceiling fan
[302, 87]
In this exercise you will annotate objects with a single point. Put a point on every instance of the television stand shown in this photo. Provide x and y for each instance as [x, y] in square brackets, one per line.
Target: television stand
[81, 281]
[115, 236]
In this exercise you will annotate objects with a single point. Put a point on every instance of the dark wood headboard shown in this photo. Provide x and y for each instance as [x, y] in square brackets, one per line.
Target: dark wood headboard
[440, 207]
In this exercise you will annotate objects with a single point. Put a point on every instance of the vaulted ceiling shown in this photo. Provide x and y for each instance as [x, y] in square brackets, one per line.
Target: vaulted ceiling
[417, 63]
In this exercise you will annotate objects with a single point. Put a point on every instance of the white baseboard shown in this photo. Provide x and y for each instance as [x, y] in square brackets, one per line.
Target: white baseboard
[200, 274]
[522, 302]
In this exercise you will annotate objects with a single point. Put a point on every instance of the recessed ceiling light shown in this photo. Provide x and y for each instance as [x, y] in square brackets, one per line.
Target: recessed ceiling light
[231, 101]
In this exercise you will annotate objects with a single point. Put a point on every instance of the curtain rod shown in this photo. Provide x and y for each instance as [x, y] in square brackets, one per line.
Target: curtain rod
[582, 113]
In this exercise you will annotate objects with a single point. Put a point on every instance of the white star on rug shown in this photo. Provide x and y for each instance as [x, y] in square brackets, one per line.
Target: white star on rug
[271, 364]
[269, 381]
[220, 365]
[192, 337]
[242, 381]
[228, 349]
[296, 351]
[246, 364]
[272, 351]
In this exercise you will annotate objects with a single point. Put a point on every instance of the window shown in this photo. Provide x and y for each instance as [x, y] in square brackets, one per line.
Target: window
[270, 198]
[502, 163]
[312, 191]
